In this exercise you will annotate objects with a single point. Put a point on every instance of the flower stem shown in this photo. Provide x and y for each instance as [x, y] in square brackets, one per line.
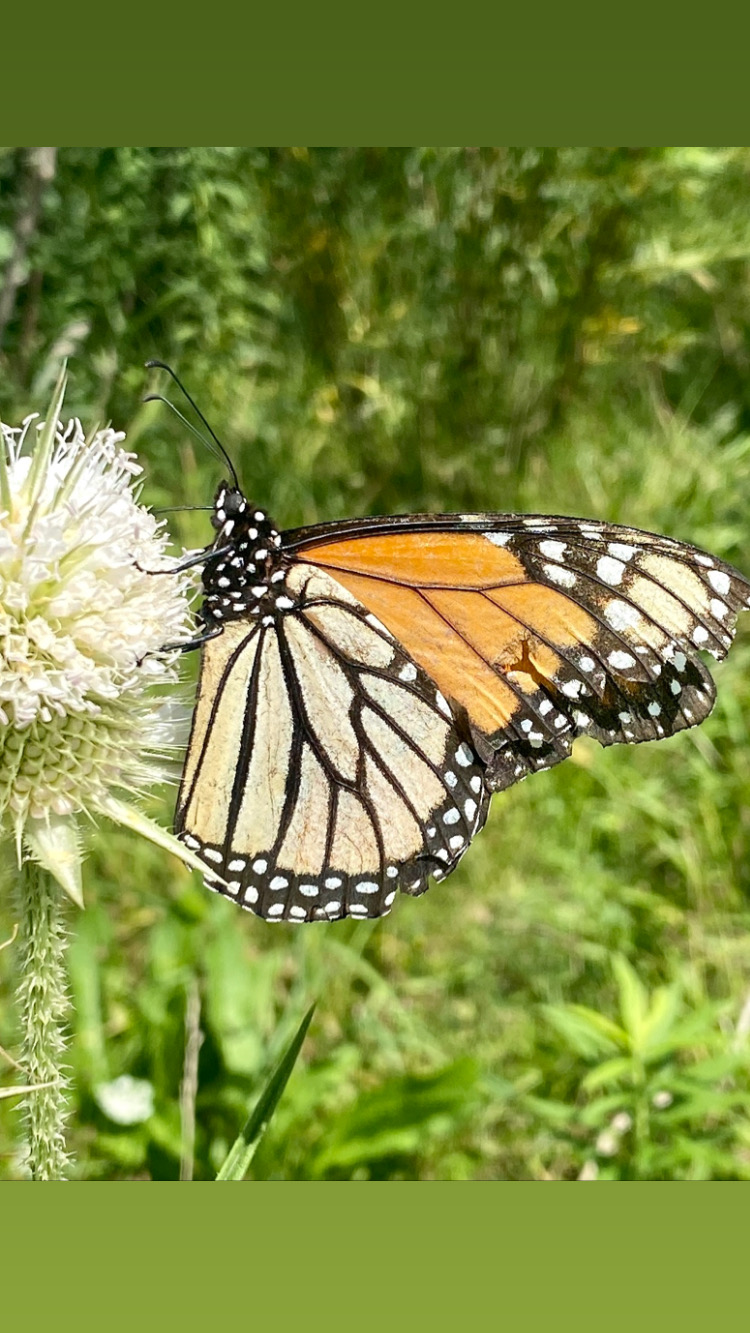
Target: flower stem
[43, 1004]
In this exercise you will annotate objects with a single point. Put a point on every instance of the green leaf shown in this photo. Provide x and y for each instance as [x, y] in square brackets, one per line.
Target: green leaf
[611, 1071]
[633, 998]
[396, 1118]
[586, 1031]
[55, 844]
[660, 1020]
[243, 1149]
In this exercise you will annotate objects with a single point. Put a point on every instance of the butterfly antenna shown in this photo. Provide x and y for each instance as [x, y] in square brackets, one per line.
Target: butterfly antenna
[180, 509]
[159, 398]
[162, 365]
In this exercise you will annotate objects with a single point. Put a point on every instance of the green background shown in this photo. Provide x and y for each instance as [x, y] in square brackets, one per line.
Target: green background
[379, 331]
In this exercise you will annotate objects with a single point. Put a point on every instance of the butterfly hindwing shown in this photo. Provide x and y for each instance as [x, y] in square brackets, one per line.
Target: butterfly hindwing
[325, 770]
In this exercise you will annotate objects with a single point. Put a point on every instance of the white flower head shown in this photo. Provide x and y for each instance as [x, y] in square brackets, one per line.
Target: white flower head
[83, 629]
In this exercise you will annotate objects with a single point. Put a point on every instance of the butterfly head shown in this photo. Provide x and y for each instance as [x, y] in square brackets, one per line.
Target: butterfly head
[229, 507]
[240, 580]
[238, 522]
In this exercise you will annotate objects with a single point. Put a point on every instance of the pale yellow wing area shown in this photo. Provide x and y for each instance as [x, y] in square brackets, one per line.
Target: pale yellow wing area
[325, 769]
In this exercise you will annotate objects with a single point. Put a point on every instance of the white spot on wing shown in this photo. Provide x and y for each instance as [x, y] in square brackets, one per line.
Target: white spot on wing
[609, 570]
[442, 704]
[553, 550]
[565, 578]
[572, 688]
[720, 582]
[620, 551]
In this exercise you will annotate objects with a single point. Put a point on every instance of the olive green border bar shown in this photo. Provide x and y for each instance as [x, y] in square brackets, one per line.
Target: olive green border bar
[387, 75]
[510, 1255]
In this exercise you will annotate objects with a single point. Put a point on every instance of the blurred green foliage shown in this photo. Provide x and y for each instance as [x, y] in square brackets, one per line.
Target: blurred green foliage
[386, 330]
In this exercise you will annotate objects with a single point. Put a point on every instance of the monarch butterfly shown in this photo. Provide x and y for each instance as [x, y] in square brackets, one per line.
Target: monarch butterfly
[367, 684]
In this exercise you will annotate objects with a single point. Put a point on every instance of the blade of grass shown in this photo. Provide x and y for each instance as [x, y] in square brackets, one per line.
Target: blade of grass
[243, 1149]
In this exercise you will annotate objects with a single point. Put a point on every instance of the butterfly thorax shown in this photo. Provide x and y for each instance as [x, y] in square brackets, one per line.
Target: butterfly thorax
[245, 575]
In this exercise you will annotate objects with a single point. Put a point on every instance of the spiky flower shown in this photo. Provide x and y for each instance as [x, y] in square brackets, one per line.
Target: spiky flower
[83, 624]
[83, 627]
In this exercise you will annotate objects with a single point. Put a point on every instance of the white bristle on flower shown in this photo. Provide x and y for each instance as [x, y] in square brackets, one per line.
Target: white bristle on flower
[82, 624]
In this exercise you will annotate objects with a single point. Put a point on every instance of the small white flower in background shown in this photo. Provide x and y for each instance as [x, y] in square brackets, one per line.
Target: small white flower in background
[621, 1122]
[589, 1171]
[82, 630]
[661, 1100]
[126, 1100]
[607, 1143]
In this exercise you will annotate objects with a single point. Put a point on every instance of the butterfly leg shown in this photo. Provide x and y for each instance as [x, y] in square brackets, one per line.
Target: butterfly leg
[189, 563]
[191, 644]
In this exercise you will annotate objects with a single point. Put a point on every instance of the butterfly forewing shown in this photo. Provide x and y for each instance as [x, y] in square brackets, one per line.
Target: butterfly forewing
[325, 770]
[546, 628]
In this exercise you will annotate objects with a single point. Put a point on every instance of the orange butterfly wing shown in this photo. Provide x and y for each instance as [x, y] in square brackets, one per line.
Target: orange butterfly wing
[541, 629]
